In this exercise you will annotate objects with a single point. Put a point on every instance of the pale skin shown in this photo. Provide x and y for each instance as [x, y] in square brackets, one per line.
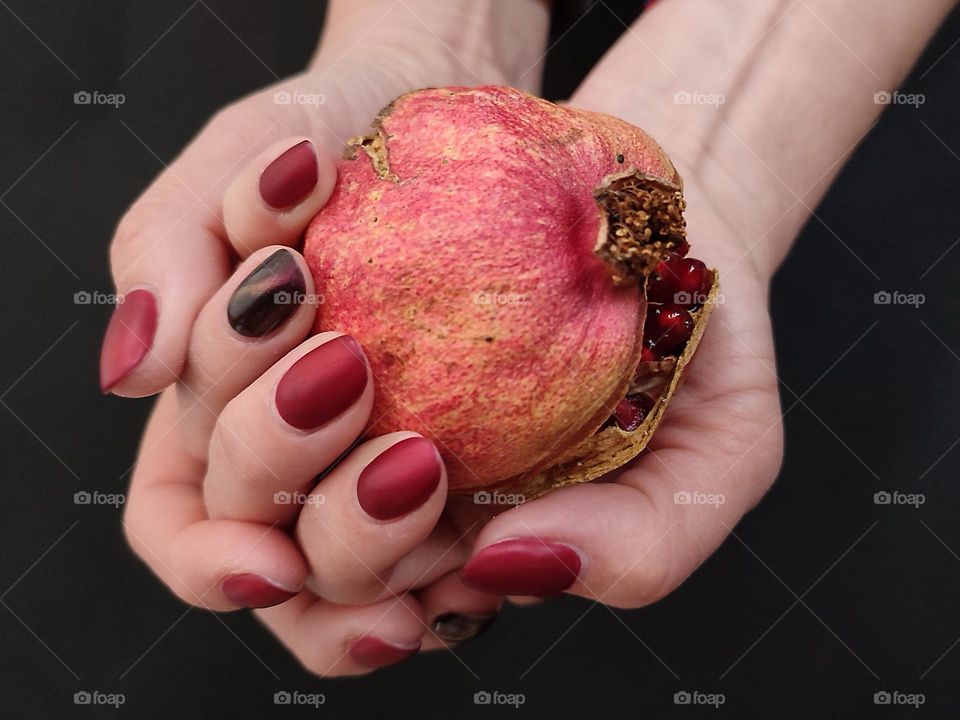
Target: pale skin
[799, 81]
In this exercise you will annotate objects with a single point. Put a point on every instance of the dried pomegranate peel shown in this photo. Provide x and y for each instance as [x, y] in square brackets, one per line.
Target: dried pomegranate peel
[493, 254]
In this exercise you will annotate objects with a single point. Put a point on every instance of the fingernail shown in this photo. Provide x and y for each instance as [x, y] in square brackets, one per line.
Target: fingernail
[373, 652]
[400, 479]
[322, 384]
[254, 591]
[267, 296]
[526, 566]
[454, 627]
[128, 338]
[291, 177]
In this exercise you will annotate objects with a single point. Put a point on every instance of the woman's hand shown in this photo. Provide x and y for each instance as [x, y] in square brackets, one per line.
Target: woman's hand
[262, 166]
[758, 104]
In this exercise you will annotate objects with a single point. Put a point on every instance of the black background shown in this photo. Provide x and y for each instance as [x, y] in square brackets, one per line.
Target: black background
[823, 597]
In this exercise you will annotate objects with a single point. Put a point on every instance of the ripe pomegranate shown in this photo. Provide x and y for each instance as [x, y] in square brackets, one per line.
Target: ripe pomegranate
[489, 250]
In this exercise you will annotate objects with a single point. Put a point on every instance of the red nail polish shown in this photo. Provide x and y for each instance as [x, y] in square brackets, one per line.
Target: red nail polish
[373, 652]
[291, 177]
[254, 591]
[322, 384]
[128, 338]
[526, 566]
[400, 479]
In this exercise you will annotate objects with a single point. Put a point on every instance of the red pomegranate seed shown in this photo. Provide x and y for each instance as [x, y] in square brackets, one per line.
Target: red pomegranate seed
[667, 327]
[684, 281]
[632, 411]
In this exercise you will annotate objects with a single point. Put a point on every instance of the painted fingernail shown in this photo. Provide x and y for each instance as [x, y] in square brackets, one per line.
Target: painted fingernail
[291, 177]
[267, 296]
[526, 566]
[454, 627]
[400, 479]
[254, 591]
[372, 652]
[128, 338]
[322, 384]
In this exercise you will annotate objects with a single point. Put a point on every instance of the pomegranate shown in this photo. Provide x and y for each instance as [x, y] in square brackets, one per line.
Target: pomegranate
[490, 252]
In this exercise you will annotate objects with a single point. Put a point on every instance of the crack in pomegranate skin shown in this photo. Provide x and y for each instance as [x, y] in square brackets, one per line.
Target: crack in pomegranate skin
[679, 280]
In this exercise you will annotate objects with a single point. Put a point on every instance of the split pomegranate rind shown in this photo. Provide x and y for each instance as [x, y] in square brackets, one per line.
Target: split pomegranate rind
[612, 447]
[488, 249]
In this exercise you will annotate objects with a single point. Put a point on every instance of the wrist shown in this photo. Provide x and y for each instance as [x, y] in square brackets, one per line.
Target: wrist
[418, 43]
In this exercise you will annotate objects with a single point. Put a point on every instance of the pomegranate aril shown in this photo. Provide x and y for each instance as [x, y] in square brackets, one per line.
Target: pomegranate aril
[632, 411]
[679, 280]
[667, 327]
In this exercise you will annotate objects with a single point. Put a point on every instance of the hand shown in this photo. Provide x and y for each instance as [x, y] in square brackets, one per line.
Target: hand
[754, 167]
[264, 164]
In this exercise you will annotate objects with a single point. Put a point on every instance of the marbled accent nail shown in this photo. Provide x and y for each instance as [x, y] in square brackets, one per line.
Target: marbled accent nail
[267, 296]
[455, 627]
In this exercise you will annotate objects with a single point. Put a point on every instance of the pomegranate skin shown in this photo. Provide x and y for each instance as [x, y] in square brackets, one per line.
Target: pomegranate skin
[458, 249]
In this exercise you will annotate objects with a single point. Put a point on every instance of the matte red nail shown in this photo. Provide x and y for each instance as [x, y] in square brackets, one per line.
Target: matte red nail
[400, 479]
[291, 177]
[254, 591]
[128, 338]
[373, 652]
[526, 566]
[322, 384]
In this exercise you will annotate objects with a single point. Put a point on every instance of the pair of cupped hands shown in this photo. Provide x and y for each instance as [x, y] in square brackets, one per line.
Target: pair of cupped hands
[251, 488]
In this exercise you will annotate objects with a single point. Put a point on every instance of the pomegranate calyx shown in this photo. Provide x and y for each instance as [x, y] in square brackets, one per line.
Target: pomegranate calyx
[642, 223]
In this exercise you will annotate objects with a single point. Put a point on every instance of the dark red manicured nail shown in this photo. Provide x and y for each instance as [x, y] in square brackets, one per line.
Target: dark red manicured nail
[373, 652]
[291, 177]
[525, 566]
[322, 384]
[128, 338]
[254, 591]
[400, 479]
